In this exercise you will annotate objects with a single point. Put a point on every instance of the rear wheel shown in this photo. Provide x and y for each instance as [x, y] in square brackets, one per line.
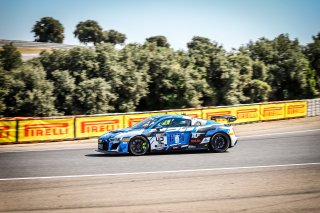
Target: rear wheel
[219, 142]
[138, 146]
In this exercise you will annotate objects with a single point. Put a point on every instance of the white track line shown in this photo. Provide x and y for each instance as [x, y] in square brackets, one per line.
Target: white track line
[279, 133]
[162, 172]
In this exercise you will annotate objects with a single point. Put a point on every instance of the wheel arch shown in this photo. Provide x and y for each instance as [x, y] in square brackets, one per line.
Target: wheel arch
[225, 134]
[145, 137]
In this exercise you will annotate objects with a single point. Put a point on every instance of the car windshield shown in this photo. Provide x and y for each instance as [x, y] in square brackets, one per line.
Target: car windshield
[145, 123]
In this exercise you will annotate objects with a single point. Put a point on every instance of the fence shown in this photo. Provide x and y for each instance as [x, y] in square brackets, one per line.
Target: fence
[19, 130]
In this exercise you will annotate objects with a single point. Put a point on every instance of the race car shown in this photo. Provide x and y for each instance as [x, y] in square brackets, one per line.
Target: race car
[162, 133]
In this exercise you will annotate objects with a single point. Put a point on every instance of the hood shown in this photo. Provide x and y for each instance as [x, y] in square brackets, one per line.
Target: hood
[121, 132]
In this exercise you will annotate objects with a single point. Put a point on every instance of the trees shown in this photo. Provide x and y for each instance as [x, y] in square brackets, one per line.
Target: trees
[126, 72]
[93, 97]
[114, 37]
[288, 71]
[312, 51]
[160, 41]
[29, 92]
[10, 57]
[173, 83]
[48, 29]
[152, 76]
[64, 90]
[89, 31]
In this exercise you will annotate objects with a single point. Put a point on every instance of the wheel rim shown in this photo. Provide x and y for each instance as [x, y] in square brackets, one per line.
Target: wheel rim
[139, 147]
[220, 142]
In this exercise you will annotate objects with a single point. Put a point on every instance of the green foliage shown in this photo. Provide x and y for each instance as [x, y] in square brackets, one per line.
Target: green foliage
[126, 72]
[89, 31]
[48, 29]
[288, 71]
[29, 92]
[114, 37]
[4, 89]
[257, 91]
[160, 41]
[172, 85]
[64, 88]
[10, 57]
[93, 97]
[312, 51]
[152, 76]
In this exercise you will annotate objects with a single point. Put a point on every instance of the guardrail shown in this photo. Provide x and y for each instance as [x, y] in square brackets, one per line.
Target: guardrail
[20, 130]
[313, 107]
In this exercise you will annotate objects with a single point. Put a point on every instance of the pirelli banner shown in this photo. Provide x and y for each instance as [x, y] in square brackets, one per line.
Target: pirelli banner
[8, 131]
[63, 128]
[250, 113]
[97, 125]
[272, 111]
[296, 109]
[283, 110]
[208, 113]
[45, 130]
[132, 119]
[191, 113]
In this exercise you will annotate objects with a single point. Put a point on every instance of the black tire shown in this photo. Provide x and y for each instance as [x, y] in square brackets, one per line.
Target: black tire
[138, 146]
[219, 142]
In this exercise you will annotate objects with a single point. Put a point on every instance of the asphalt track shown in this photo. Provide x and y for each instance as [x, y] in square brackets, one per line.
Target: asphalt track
[274, 168]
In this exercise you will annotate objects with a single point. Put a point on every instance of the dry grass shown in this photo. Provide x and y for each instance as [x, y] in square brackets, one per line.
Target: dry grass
[32, 50]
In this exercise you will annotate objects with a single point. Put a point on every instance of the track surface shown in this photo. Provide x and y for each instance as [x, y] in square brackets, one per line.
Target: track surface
[71, 177]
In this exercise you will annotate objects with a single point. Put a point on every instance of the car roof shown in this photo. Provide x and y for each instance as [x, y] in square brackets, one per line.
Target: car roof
[168, 116]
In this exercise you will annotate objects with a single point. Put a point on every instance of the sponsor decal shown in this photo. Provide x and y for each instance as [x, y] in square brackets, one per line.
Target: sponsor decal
[34, 130]
[296, 109]
[196, 137]
[4, 131]
[98, 126]
[8, 131]
[247, 113]
[159, 138]
[191, 113]
[272, 111]
[133, 121]
[208, 113]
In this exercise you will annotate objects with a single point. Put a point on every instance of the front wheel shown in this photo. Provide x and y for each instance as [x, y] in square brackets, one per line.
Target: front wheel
[219, 142]
[138, 146]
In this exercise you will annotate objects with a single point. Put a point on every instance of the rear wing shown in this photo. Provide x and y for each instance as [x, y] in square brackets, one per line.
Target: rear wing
[229, 118]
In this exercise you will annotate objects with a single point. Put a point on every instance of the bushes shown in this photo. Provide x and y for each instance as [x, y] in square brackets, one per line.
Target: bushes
[153, 76]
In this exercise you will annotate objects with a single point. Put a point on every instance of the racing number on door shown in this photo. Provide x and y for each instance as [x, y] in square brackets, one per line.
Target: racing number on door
[177, 138]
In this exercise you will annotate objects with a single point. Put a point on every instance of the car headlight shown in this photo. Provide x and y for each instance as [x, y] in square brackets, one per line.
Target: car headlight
[127, 139]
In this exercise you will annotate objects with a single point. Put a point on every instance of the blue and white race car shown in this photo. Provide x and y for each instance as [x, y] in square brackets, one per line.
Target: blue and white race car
[170, 132]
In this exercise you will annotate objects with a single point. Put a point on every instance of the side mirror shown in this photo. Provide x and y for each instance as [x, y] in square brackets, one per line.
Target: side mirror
[158, 128]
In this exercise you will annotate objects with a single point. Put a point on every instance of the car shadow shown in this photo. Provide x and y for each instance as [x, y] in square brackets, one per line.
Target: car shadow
[176, 152]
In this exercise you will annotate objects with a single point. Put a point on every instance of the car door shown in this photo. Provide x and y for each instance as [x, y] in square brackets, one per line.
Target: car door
[178, 133]
[158, 138]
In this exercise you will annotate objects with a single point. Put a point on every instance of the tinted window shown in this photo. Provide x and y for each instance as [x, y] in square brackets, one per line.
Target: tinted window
[165, 123]
[179, 122]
